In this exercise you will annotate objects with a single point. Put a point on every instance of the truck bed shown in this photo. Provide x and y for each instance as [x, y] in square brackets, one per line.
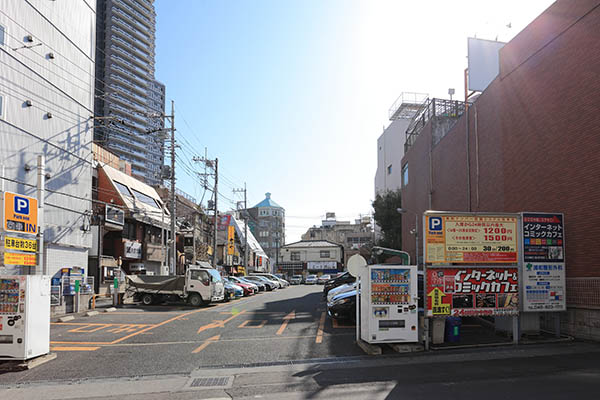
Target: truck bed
[156, 284]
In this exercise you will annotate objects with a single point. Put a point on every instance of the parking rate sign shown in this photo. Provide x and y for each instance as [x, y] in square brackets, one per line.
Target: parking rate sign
[20, 213]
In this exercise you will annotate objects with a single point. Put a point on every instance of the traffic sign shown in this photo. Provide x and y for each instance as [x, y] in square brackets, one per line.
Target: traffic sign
[20, 213]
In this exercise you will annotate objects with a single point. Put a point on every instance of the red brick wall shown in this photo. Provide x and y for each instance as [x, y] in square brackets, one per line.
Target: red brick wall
[537, 133]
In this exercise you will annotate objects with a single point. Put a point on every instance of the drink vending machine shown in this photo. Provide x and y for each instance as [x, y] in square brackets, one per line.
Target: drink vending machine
[389, 304]
[24, 316]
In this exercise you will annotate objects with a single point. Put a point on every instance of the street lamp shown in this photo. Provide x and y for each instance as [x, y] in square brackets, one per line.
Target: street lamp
[416, 231]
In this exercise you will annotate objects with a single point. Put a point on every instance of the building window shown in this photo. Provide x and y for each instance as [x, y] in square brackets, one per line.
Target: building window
[1, 106]
[405, 175]
[389, 169]
[264, 234]
[123, 189]
[2, 30]
[324, 254]
[295, 256]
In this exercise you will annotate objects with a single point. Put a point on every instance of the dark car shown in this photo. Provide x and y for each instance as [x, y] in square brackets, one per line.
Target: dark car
[343, 306]
[259, 279]
[335, 282]
[260, 285]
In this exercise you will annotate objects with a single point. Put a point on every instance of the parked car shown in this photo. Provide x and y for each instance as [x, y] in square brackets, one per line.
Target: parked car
[311, 280]
[232, 291]
[260, 285]
[335, 282]
[296, 280]
[282, 282]
[343, 306]
[348, 287]
[270, 285]
[248, 289]
[322, 279]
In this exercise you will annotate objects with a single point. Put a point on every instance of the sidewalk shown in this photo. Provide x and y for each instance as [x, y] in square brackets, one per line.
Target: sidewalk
[352, 377]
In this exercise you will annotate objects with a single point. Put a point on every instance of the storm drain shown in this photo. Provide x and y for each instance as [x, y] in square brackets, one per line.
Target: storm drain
[212, 382]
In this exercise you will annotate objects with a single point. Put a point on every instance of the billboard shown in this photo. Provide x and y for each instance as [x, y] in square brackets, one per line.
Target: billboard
[20, 213]
[543, 237]
[544, 287]
[472, 291]
[473, 239]
[484, 62]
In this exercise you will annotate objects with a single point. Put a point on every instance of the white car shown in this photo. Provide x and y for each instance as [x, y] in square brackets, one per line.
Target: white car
[348, 287]
[311, 280]
[296, 280]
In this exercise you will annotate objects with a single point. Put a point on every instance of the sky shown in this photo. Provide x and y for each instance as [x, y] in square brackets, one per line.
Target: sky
[291, 95]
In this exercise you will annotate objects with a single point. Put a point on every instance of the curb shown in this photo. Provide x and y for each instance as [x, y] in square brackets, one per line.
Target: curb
[66, 318]
[92, 313]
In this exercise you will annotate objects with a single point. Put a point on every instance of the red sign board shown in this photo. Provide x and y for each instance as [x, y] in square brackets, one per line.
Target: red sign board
[475, 291]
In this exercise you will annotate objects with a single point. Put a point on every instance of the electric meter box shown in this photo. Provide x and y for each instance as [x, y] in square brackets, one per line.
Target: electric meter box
[24, 316]
[389, 304]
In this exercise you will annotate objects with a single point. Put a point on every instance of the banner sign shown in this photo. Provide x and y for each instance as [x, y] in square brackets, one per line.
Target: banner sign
[132, 249]
[20, 259]
[20, 213]
[223, 222]
[544, 287]
[114, 215]
[230, 240]
[20, 244]
[321, 265]
[471, 239]
[543, 237]
[477, 291]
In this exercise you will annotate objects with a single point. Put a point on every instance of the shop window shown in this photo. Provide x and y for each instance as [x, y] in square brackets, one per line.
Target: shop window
[295, 256]
[324, 254]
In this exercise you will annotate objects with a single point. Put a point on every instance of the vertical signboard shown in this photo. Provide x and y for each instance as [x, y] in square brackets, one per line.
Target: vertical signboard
[471, 239]
[230, 240]
[20, 213]
[543, 262]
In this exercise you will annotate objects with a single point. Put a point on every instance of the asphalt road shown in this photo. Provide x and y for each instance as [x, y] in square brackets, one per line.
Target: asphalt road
[285, 325]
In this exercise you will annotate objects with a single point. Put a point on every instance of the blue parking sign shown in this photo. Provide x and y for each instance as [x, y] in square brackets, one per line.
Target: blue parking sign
[435, 223]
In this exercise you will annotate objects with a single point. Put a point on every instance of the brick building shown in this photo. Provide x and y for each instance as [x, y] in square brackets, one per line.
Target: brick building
[532, 144]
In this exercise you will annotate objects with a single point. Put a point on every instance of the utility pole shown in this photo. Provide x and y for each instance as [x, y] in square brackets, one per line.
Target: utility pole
[173, 268]
[41, 181]
[215, 191]
[245, 218]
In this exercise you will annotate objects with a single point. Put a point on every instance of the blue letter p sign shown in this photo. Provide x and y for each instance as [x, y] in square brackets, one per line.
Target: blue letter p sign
[435, 224]
[21, 205]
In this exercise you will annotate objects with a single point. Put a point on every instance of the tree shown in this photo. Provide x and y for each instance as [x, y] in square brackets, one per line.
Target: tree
[389, 219]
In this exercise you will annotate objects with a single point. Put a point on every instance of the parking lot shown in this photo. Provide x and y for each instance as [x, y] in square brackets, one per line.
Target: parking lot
[285, 325]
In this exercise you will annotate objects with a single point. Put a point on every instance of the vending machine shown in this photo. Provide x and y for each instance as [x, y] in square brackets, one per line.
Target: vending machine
[24, 316]
[389, 304]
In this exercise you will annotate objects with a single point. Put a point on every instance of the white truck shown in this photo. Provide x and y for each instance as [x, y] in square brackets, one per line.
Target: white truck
[199, 286]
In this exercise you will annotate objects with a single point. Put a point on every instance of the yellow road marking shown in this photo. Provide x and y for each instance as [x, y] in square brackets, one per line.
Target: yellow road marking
[245, 323]
[82, 329]
[286, 321]
[319, 337]
[95, 324]
[59, 348]
[218, 323]
[206, 343]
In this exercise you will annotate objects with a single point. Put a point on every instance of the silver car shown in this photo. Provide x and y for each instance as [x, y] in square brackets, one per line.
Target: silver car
[311, 280]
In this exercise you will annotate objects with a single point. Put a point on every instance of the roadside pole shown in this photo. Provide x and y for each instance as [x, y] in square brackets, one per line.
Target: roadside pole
[41, 166]
[173, 269]
[216, 192]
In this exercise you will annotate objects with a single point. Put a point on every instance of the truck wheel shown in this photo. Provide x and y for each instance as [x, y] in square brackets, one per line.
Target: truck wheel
[147, 299]
[195, 300]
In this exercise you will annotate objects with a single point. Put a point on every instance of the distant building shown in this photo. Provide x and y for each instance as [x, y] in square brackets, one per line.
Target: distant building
[267, 223]
[128, 97]
[351, 236]
[311, 257]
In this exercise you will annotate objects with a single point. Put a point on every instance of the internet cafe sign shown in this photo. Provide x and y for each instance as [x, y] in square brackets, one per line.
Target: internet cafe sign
[471, 238]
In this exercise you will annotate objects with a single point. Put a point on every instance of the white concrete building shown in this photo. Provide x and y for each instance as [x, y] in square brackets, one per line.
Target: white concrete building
[47, 53]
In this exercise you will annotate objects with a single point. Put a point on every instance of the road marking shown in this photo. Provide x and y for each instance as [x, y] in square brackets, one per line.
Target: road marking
[218, 323]
[82, 329]
[286, 321]
[60, 348]
[245, 323]
[206, 343]
[95, 324]
[319, 337]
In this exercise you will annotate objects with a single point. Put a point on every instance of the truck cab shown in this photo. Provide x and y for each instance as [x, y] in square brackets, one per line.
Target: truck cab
[207, 282]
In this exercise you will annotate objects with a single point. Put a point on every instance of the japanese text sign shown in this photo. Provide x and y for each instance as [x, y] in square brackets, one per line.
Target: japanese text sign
[20, 259]
[11, 243]
[471, 239]
[544, 287]
[477, 291]
[20, 213]
[543, 237]
[230, 240]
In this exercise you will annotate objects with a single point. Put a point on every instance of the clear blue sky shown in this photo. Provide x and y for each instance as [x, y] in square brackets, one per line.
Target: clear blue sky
[291, 95]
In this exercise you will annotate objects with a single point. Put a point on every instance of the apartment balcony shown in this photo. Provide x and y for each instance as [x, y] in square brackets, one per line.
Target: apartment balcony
[116, 28]
[146, 57]
[130, 75]
[127, 114]
[142, 73]
[131, 26]
[129, 84]
[126, 142]
[137, 102]
[134, 17]
[144, 14]
[130, 56]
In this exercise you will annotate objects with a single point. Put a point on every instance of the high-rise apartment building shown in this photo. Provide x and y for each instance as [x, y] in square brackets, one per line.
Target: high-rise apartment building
[127, 95]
